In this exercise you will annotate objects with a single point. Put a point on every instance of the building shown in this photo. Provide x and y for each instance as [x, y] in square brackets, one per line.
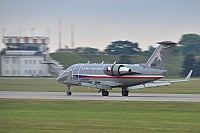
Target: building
[25, 56]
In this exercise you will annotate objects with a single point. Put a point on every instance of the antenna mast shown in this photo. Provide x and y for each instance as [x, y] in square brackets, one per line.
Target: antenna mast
[24, 32]
[32, 31]
[72, 36]
[3, 32]
[59, 33]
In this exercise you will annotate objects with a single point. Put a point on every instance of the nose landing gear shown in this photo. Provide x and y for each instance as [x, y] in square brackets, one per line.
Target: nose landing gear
[68, 93]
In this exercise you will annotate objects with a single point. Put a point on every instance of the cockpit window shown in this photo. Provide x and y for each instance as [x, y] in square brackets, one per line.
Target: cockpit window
[69, 68]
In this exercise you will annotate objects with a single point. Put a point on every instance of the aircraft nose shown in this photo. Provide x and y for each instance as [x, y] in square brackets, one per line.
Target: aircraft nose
[62, 77]
[59, 79]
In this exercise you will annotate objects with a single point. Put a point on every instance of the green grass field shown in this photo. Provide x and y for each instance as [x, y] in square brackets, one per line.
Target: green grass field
[70, 116]
[60, 116]
[50, 84]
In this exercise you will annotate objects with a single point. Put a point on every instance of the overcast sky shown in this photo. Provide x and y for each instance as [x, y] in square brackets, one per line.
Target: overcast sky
[99, 22]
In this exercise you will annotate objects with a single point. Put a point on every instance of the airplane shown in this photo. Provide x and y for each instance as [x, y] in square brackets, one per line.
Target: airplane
[125, 76]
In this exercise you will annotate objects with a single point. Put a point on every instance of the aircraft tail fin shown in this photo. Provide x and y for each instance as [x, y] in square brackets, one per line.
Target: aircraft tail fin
[161, 55]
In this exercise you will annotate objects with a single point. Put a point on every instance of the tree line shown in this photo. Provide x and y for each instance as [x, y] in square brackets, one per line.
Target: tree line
[188, 43]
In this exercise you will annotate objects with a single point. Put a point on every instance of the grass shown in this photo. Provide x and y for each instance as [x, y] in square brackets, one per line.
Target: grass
[30, 84]
[50, 84]
[42, 116]
[67, 59]
[20, 116]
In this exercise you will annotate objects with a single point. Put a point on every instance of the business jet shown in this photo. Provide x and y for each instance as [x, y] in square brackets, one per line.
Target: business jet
[105, 77]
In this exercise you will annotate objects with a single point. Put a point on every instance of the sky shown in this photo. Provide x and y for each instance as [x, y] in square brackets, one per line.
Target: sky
[97, 23]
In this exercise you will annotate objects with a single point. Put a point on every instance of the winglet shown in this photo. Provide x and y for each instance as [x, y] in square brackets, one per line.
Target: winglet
[189, 75]
[186, 79]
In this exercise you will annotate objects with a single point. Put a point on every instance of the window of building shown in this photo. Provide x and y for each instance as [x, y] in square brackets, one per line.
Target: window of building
[30, 71]
[26, 61]
[34, 61]
[34, 71]
[40, 72]
[40, 61]
[14, 61]
[7, 71]
[14, 72]
[30, 61]
[7, 60]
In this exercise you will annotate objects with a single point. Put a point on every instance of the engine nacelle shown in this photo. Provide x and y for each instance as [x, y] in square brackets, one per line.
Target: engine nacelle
[117, 70]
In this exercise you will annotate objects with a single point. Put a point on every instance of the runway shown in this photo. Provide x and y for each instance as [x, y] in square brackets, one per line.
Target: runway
[98, 96]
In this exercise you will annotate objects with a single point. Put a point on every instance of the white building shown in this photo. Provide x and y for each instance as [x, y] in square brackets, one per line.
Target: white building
[24, 56]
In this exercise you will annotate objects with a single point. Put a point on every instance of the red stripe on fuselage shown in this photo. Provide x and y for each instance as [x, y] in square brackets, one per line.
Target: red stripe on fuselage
[142, 77]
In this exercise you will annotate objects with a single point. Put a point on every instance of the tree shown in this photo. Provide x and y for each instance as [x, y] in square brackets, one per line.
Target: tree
[177, 51]
[124, 59]
[197, 69]
[189, 39]
[189, 63]
[190, 43]
[149, 52]
[122, 47]
[89, 50]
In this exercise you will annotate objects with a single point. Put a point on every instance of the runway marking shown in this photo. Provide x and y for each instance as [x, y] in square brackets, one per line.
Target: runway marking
[98, 96]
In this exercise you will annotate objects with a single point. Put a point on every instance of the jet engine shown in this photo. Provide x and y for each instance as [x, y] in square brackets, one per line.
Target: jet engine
[117, 70]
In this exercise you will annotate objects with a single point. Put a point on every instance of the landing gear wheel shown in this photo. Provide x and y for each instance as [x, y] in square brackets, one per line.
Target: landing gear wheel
[125, 92]
[105, 93]
[69, 93]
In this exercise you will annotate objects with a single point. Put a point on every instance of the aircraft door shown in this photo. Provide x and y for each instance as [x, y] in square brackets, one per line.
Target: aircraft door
[80, 71]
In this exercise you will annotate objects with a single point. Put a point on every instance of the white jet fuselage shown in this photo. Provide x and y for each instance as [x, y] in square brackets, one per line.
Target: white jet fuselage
[113, 75]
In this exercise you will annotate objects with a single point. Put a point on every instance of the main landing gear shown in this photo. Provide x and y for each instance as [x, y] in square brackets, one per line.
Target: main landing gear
[104, 93]
[125, 91]
[68, 93]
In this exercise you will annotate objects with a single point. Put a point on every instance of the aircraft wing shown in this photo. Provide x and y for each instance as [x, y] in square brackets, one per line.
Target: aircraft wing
[100, 84]
[160, 83]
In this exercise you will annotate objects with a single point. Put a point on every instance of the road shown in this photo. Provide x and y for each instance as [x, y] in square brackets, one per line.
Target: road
[97, 96]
